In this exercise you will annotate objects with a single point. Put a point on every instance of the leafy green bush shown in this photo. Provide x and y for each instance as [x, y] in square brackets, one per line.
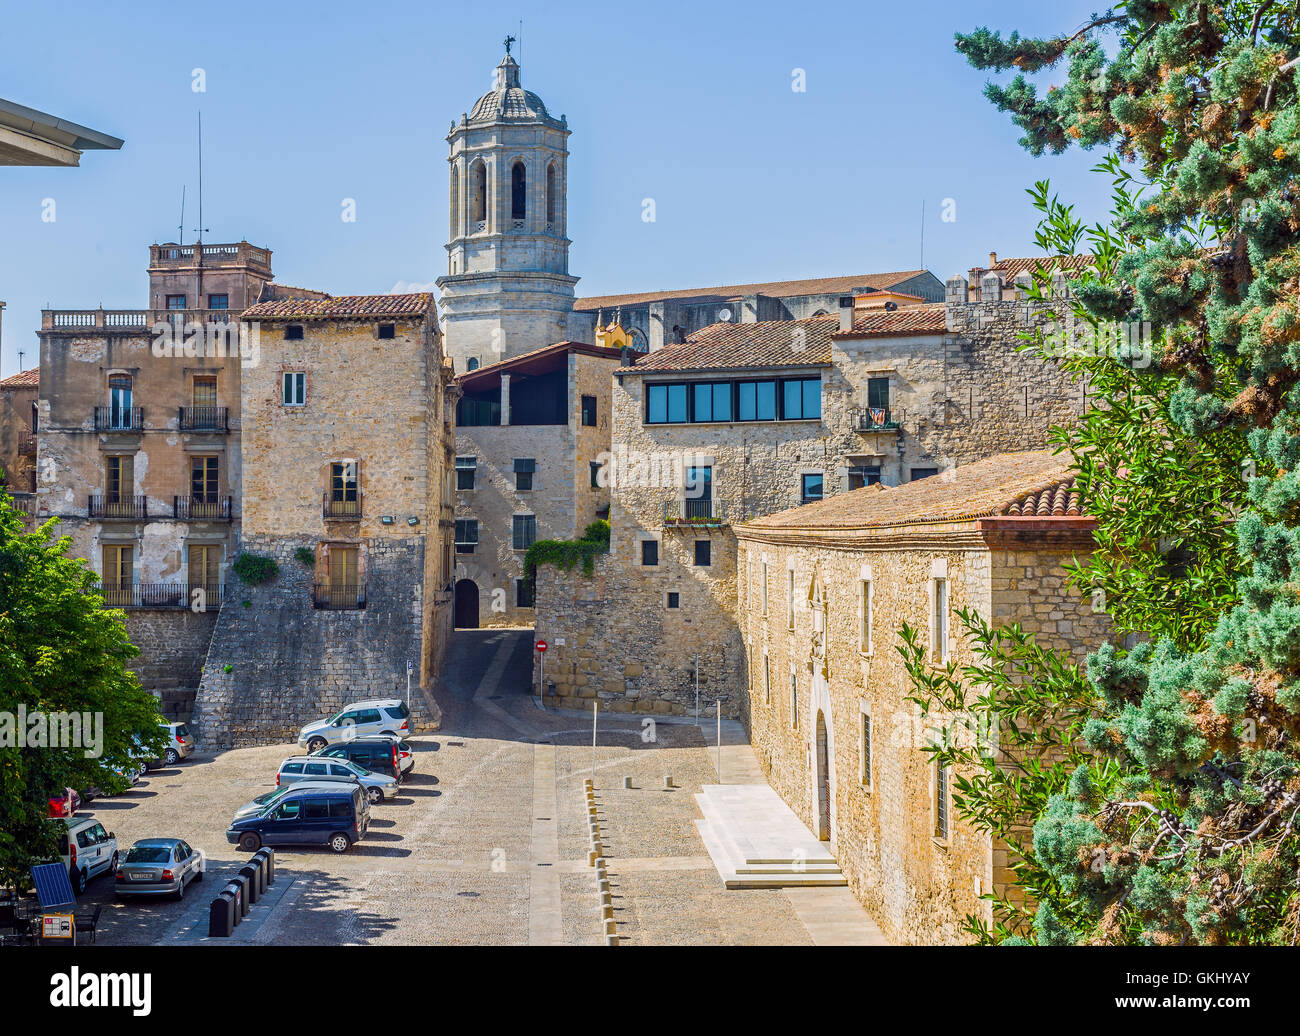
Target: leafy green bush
[565, 554]
[255, 569]
[305, 556]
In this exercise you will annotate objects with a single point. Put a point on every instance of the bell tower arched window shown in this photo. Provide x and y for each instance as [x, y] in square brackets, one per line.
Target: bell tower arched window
[518, 191]
[552, 196]
[455, 202]
[478, 192]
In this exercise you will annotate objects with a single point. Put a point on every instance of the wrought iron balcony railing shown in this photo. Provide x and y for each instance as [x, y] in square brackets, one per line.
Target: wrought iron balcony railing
[192, 596]
[201, 509]
[27, 444]
[339, 596]
[347, 510]
[702, 512]
[120, 508]
[118, 419]
[204, 419]
[877, 419]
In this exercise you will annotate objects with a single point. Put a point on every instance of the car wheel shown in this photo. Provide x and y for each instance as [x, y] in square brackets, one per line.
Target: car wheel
[339, 842]
[113, 863]
[316, 744]
[170, 757]
[375, 795]
[249, 842]
[78, 881]
[180, 889]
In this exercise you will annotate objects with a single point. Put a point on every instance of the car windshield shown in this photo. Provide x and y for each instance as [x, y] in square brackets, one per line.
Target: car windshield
[336, 717]
[148, 854]
[267, 796]
[353, 768]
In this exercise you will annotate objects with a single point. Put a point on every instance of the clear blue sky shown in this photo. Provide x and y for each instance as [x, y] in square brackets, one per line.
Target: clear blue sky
[687, 103]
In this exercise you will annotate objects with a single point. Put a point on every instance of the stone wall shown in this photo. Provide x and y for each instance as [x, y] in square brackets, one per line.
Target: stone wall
[277, 662]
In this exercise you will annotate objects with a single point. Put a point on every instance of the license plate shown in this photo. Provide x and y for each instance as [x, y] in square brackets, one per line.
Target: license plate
[144, 877]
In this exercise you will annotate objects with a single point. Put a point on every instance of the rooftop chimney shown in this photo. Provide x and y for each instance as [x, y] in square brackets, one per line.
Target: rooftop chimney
[846, 312]
[993, 259]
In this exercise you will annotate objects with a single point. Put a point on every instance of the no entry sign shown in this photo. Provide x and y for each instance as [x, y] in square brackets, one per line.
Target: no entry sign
[541, 645]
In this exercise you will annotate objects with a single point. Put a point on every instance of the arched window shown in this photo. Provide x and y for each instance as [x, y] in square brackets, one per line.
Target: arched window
[552, 196]
[455, 202]
[472, 363]
[478, 192]
[518, 191]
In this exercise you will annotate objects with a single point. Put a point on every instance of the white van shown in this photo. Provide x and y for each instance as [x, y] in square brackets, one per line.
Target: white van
[87, 850]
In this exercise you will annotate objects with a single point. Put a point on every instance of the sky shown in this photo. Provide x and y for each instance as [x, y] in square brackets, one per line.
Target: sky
[693, 105]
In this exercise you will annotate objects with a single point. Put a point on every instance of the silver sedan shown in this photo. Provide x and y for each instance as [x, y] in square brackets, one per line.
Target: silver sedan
[158, 867]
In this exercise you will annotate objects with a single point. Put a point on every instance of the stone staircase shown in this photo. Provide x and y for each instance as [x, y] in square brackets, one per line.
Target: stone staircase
[756, 841]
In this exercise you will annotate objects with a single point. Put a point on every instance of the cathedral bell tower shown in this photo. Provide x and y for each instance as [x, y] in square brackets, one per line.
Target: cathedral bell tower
[507, 289]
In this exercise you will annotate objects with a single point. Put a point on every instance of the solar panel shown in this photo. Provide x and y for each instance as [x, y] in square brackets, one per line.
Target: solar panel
[52, 885]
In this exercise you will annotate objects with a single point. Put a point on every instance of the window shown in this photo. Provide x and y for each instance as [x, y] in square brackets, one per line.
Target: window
[674, 600]
[218, 302]
[756, 401]
[518, 191]
[594, 467]
[767, 679]
[120, 411]
[789, 598]
[940, 801]
[863, 475]
[524, 529]
[703, 553]
[204, 473]
[205, 568]
[387, 330]
[525, 593]
[864, 606]
[589, 411]
[466, 469]
[316, 769]
[801, 400]
[478, 193]
[340, 808]
[343, 569]
[698, 492]
[466, 535]
[293, 332]
[552, 195]
[472, 363]
[205, 391]
[119, 478]
[864, 750]
[649, 553]
[666, 404]
[175, 301]
[920, 473]
[811, 486]
[939, 623]
[291, 768]
[294, 388]
[764, 587]
[878, 395]
[712, 401]
[794, 700]
[524, 469]
[345, 495]
[119, 568]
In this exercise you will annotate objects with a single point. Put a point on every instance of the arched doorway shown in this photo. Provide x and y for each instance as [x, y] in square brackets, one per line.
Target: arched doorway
[823, 778]
[466, 606]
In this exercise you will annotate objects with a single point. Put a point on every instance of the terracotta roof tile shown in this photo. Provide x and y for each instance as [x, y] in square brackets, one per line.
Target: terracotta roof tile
[767, 343]
[1001, 485]
[23, 379]
[342, 307]
[1007, 269]
[846, 285]
[927, 319]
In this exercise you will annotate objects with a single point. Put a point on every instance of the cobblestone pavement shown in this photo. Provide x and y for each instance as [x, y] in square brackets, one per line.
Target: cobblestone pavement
[486, 844]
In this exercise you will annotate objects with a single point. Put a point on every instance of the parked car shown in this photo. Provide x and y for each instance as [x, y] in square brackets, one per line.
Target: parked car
[87, 850]
[306, 816]
[266, 799]
[377, 786]
[378, 716]
[179, 746]
[158, 867]
[130, 773]
[377, 754]
[65, 805]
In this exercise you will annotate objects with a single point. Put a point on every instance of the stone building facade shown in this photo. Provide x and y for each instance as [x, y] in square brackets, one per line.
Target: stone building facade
[347, 443]
[824, 590]
[18, 425]
[528, 432]
[873, 395]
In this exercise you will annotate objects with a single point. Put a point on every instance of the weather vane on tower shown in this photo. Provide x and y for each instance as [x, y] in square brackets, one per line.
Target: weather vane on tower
[509, 41]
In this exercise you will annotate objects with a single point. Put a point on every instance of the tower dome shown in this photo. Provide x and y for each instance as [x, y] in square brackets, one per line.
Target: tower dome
[508, 101]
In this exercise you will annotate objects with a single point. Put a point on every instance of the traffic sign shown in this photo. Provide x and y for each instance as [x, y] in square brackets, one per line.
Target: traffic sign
[541, 645]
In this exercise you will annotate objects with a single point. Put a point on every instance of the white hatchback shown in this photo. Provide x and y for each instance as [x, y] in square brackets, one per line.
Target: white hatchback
[87, 850]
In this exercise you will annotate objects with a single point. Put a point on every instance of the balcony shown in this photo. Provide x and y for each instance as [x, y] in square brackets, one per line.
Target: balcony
[204, 419]
[24, 503]
[119, 419]
[141, 321]
[699, 514]
[197, 597]
[339, 596]
[877, 419]
[184, 257]
[201, 509]
[27, 444]
[340, 510]
[118, 508]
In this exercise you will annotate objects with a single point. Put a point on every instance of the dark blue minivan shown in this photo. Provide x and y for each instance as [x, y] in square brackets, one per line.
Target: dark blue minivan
[310, 816]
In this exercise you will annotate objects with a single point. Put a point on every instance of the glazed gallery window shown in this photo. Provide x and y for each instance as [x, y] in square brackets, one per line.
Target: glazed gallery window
[294, 388]
[466, 535]
[696, 402]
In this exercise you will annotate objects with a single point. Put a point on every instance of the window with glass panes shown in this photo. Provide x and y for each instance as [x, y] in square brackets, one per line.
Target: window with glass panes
[811, 486]
[524, 531]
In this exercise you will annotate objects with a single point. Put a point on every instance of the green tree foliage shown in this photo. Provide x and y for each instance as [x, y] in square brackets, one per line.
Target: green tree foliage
[256, 569]
[565, 554]
[1166, 790]
[60, 651]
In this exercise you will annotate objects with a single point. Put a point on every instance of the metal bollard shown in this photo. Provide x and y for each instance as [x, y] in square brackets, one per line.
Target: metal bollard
[668, 782]
[627, 783]
[221, 915]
